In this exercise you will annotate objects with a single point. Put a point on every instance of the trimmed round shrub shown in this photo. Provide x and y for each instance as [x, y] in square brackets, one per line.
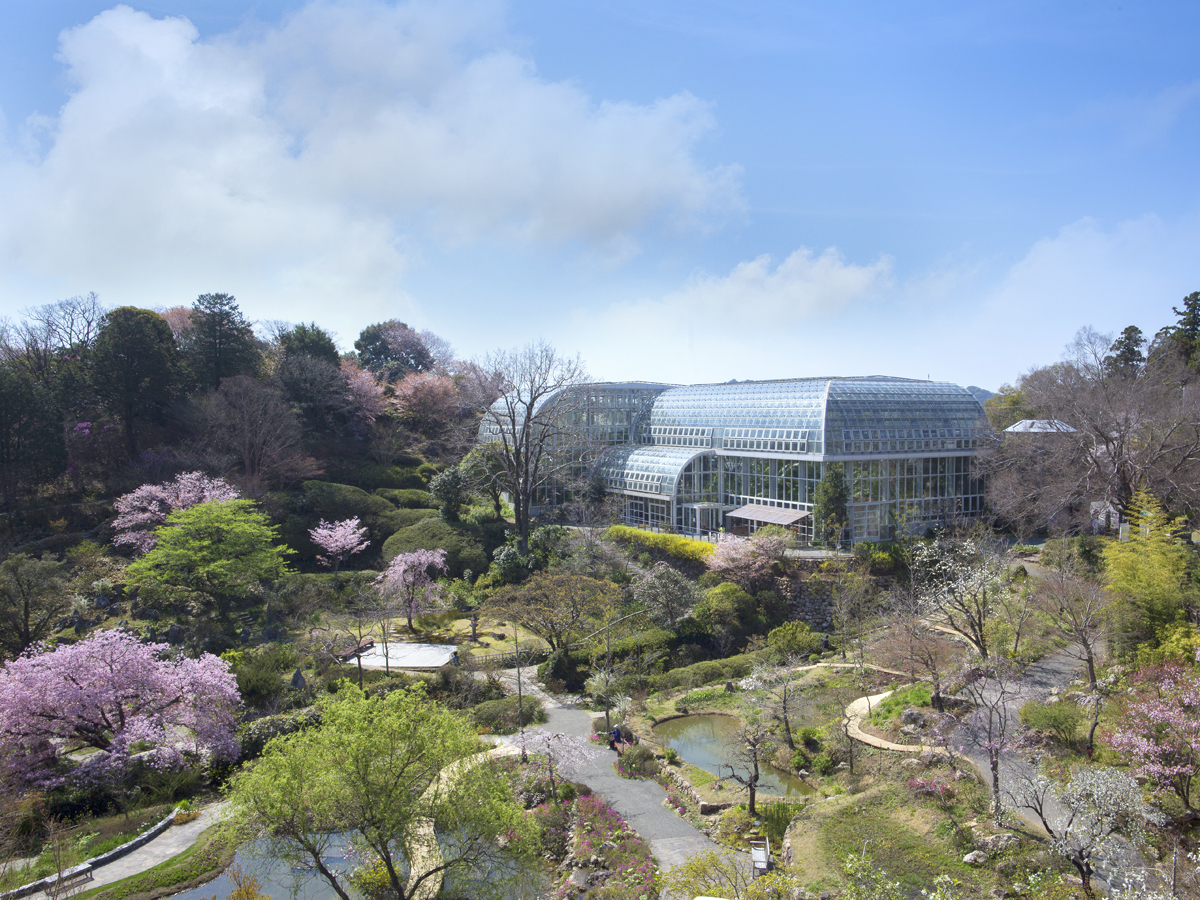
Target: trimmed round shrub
[462, 551]
[500, 716]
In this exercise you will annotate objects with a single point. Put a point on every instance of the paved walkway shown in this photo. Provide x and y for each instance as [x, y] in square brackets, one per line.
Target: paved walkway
[640, 803]
[170, 843]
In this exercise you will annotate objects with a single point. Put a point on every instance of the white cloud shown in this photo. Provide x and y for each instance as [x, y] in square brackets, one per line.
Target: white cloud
[310, 161]
[758, 321]
[961, 321]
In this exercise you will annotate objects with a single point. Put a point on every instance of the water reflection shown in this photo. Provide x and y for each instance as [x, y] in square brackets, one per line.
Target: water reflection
[704, 741]
[501, 876]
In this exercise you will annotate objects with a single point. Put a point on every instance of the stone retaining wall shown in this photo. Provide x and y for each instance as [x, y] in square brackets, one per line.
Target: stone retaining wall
[678, 779]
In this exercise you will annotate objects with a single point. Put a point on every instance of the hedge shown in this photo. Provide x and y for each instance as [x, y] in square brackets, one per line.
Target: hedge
[672, 545]
[707, 672]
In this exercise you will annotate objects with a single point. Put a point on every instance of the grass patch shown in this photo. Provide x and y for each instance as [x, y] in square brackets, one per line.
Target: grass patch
[913, 859]
[200, 863]
[889, 708]
[706, 697]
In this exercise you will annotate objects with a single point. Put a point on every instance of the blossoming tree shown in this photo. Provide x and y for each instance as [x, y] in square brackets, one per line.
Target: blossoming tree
[144, 509]
[407, 582]
[1159, 729]
[111, 692]
[339, 540]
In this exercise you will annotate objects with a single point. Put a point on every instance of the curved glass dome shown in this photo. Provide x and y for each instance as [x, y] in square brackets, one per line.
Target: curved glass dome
[827, 416]
[650, 470]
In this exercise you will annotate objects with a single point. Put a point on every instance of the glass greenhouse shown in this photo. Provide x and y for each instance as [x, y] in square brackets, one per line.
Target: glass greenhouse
[734, 456]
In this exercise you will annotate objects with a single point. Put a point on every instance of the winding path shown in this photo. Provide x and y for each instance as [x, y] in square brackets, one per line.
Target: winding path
[640, 803]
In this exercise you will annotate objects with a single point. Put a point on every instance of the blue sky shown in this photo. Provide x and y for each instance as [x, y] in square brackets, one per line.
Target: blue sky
[679, 191]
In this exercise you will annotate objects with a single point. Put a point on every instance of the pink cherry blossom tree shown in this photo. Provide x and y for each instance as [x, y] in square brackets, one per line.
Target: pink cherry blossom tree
[748, 561]
[339, 540]
[142, 510]
[113, 693]
[407, 583]
[1158, 728]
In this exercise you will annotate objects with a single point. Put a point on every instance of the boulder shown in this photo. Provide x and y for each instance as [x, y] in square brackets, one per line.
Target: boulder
[996, 843]
[175, 634]
[912, 716]
[975, 858]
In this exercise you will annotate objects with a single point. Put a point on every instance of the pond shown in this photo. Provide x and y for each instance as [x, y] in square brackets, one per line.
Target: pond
[703, 741]
[277, 878]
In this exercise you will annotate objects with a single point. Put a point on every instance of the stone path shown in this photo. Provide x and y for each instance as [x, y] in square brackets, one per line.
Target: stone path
[170, 843]
[640, 803]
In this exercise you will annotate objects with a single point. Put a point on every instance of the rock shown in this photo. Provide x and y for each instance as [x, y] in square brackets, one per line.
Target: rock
[102, 602]
[245, 635]
[729, 687]
[999, 894]
[912, 716]
[578, 878]
[1007, 867]
[909, 730]
[975, 858]
[710, 809]
[298, 682]
[933, 757]
[912, 763]
[996, 843]
[175, 634]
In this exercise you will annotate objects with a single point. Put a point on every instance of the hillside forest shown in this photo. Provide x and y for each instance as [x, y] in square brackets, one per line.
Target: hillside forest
[216, 534]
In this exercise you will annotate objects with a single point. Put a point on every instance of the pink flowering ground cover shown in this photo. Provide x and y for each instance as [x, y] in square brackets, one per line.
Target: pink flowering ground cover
[634, 874]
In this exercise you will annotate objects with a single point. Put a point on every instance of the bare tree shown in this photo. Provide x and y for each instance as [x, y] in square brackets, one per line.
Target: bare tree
[994, 724]
[918, 646]
[749, 749]
[1080, 610]
[852, 601]
[42, 339]
[1124, 429]
[535, 431]
[249, 426]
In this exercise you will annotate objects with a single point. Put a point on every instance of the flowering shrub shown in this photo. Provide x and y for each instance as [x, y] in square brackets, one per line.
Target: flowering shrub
[934, 787]
[554, 828]
[603, 833]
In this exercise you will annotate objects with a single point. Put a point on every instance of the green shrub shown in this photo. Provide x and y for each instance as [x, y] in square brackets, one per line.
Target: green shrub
[896, 702]
[462, 550]
[500, 716]
[257, 733]
[795, 638]
[661, 545]
[671, 755]
[407, 498]
[879, 558]
[823, 764]
[639, 760]
[1062, 719]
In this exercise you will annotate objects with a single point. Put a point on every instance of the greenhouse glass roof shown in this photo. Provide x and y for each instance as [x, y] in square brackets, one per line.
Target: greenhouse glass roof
[651, 470]
[818, 416]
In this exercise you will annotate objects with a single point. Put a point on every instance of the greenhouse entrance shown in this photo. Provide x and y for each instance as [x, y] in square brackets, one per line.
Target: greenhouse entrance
[698, 518]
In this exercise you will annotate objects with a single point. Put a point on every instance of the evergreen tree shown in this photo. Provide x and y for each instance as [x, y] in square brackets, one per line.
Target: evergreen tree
[135, 366]
[32, 447]
[1125, 355]
[831, 509]
[310, 340]
[220, 342]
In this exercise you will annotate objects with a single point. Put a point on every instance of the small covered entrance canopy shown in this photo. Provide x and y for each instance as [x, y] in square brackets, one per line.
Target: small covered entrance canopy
[768, 515]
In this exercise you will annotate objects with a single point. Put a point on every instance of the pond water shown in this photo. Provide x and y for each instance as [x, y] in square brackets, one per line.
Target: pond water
[704, 740]
[503, 879]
